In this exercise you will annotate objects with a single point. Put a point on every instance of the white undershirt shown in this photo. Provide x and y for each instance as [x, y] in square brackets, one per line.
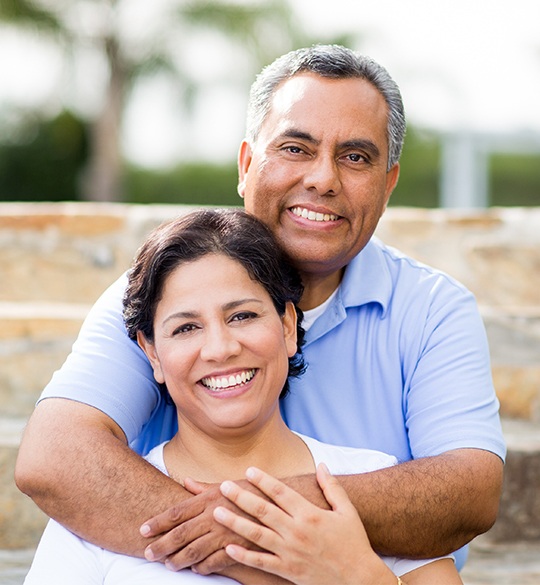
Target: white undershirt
[311, 315]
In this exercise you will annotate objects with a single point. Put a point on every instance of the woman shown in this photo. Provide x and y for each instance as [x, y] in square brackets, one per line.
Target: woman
[211, 300]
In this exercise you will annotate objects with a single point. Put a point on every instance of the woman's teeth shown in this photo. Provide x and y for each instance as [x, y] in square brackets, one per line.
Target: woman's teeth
[222, 382]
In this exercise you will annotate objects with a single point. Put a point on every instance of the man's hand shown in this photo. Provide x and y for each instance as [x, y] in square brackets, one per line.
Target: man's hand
[189, 536]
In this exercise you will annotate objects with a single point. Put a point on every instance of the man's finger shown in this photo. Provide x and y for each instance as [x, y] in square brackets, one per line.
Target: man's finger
[172, 517]
[178, 539]
[215, 563]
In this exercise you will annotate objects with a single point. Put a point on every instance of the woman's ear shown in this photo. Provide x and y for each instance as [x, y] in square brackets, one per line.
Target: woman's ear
[289, 320]
[150, 350]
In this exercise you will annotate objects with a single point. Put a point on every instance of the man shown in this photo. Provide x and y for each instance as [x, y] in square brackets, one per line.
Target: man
[397, 354]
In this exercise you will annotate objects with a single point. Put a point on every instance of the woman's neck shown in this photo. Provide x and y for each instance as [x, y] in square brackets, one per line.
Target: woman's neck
[212, 459]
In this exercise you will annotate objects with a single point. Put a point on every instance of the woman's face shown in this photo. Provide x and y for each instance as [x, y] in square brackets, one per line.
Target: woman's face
[220, 346]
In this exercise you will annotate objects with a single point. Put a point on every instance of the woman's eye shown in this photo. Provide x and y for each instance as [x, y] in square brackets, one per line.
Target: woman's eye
[243, 316]
[187, 328]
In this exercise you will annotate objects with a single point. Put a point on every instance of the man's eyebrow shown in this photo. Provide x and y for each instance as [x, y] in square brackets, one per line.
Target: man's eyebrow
[361, 144]
[300, 134]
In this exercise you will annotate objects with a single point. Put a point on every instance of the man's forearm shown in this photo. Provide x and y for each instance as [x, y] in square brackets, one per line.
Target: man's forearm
[82, 474]
[423, 508]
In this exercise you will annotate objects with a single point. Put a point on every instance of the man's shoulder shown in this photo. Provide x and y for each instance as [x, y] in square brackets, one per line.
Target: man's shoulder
[403, 267]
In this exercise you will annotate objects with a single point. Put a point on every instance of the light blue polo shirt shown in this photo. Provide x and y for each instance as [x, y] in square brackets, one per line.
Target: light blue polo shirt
[398, 362]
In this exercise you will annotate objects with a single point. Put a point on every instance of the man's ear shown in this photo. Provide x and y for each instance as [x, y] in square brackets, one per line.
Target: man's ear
[150, 350]
[245, 156]
[289, 320]
[392, 177]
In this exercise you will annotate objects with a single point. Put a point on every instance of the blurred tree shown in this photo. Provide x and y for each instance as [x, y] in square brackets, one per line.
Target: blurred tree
[265, 29]
[48, 158]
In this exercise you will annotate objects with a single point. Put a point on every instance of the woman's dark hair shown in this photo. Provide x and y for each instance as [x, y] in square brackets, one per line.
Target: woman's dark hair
[233, 233]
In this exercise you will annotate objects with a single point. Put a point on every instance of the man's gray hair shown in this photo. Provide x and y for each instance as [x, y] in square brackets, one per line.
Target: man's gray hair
[333, 61]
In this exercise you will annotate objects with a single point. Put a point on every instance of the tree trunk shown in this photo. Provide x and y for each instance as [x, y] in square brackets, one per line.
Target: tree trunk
[102, 180]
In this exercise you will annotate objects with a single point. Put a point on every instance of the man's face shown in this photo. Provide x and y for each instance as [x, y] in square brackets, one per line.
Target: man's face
[317, 172]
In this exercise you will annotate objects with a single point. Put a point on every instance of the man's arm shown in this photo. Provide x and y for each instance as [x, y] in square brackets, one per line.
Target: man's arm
[426, 507]
[75, 464]
[444, 501]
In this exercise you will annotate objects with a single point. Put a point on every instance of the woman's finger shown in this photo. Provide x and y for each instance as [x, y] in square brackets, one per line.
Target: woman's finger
[333, 491]
[257, 507]
[256, 533]
[281, 494]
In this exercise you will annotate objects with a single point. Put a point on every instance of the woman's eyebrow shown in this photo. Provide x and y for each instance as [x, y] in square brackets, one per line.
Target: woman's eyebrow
[196, 314]
[240, 302]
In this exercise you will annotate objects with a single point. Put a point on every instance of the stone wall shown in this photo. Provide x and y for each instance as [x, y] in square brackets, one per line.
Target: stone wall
[56, 259]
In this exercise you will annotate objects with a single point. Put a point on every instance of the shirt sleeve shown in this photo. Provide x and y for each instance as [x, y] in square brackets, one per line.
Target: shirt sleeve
[107, 370]
[449, 399]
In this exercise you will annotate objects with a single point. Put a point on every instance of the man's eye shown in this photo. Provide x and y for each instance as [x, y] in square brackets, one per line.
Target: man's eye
[293, 149]
[355, 157]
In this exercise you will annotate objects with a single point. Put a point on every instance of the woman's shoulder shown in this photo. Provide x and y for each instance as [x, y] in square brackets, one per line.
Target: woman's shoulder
[342, 460]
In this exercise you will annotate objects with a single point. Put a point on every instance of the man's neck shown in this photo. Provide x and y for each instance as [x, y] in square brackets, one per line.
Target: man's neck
[318, 288]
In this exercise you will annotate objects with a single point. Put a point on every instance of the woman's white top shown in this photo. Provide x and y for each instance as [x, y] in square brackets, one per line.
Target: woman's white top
[65, 559]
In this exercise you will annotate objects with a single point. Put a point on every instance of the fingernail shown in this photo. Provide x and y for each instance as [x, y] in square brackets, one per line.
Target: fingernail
[226, 487]
[145, 530]
[251, 472]
[220, 513]
[149, 555]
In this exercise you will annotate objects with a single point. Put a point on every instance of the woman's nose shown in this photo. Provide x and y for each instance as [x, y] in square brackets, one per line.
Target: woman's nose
[219, 345]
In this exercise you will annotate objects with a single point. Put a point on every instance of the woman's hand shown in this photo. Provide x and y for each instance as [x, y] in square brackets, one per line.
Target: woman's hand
[305, 544]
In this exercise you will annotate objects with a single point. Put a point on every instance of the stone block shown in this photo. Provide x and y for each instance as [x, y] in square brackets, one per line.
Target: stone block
[21, 521]
[519, 512]
[35, 340]
[514, 339]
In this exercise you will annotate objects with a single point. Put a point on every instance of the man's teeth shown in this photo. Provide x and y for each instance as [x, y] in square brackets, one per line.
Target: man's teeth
[215, 383]
[312, 215]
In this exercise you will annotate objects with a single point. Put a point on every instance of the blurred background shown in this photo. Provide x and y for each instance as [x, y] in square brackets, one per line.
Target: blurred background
[144, 101]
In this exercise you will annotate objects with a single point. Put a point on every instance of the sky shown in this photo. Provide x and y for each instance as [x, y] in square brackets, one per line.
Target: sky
[465, 64]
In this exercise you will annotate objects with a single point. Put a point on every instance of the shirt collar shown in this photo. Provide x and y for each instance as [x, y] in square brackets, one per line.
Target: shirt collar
[367, 278]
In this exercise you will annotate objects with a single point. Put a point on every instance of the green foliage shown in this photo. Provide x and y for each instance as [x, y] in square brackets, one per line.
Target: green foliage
[46, 162]
[514, 180]
[27, 14]
[195, 184]
[418, 184]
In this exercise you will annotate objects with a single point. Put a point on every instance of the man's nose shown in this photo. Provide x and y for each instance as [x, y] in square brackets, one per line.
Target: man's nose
[219, 344]
[322, 176]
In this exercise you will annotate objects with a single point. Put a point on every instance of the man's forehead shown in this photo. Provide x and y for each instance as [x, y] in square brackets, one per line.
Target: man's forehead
[300, 101]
